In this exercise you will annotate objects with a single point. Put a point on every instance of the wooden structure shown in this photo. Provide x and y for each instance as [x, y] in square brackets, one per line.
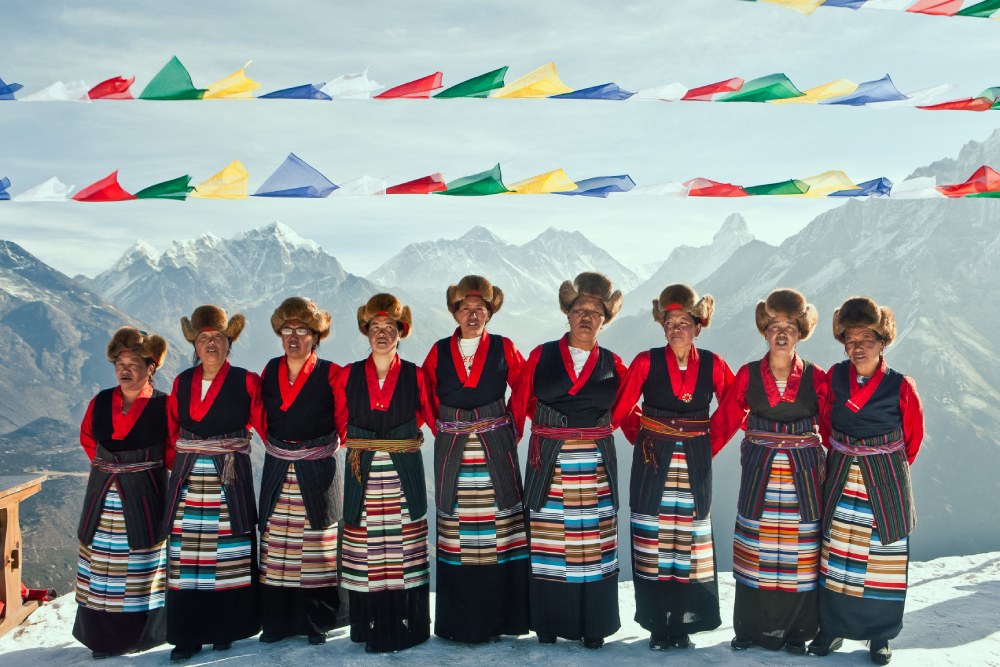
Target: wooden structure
[14, 489]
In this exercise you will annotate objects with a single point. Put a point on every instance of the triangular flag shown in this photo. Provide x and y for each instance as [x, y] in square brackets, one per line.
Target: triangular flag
[983, 181]
[880, 187]
[543, 82]
[176, 189]
[982, 10]
[419, 89]
[837, 88]
[106, 189]
[484, 183]
[479, 86]
[916, 188]
[366, 186]
[171, 83]
[702, 187]
[791, 187]
[420, 186]
[806, 7]
[845, 4]
[823, 184]
[7, 90]
[713, 91]
[764, 89]
[608, 91]
[50, 190]
[881, 90]
[966, 104]
[236, 86]
[295, 178]
[670, 92]
[601, 186]
[4, 184]
[916, 98]
[351, 87]
[230, 183]
[112, 89]
[310, 91]
[553, 181]
[74, 91]
[936, 7]
[672, 189]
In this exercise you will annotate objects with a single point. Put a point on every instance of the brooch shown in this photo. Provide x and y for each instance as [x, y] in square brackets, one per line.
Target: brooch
[686, 398]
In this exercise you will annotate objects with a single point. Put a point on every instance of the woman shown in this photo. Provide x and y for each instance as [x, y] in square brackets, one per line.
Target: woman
[482, 548]
[122, 572]
[299, 493]
[212, 583]
[779, 402]
[877, 425]
[569, 387]
[380, 405]
[673, 554]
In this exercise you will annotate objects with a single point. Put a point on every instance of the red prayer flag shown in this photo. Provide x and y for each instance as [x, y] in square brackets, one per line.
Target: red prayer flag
[967, 104]
[936, 7]
[420, 186]
[705, 93]
[984, 180]
[702, 187]
[106, 189]
[112, 89]
[419, 89]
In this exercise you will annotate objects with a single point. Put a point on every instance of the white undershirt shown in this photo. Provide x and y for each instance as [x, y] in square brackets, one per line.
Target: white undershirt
[467, 348]
[205, 384]
[683, 368]
[579, 358]
[381, 381]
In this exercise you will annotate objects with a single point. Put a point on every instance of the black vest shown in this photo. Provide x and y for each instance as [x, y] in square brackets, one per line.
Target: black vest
[658, 392]
[595, 398]
[881, 413]
[310, 416]
[806, 402]
[230, 411]
[149, 430]
[402, 408]
[492, 385]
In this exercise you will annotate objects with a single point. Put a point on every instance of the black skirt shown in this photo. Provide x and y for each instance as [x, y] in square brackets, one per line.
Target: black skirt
[287, 610]
[476, 602]
[770, 618]
[392, 620]
[859, 618]
[118, 633]
[574, 611]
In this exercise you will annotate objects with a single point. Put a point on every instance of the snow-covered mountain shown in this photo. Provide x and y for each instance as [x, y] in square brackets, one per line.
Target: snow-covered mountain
[973, 155]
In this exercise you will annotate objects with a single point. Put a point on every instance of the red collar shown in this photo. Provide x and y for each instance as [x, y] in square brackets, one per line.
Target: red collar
[290, 391]
[683, 386]
[860, 394]
[588, 367]
[771, 386]
[470, 379]
[123, 423]
[199, 406]
[381, 398]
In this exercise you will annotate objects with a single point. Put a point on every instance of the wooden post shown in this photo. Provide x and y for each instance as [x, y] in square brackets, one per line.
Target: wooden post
[14, 489]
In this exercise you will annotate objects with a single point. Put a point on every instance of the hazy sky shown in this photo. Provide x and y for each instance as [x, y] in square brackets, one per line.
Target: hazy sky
[634, 44]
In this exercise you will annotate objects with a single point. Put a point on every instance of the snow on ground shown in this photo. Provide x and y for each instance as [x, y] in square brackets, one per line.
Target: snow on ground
[952, 618]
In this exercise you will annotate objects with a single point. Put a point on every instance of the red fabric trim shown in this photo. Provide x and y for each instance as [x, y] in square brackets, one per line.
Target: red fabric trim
[522, 399]
[380, 398]
[515, 362]
[672, 306]
[123, 423]
[771, 386]
[204, 329]
[289, 392]
[199, 407]
[722, 377]
[474, 292]
[731, 415]
[626, 412]
[913, 418]
[861, 394]
[588, 368]
[87, 432]
[683, 385]
[478, 363]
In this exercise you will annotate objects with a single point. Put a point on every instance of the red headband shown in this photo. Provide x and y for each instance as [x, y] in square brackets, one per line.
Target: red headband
[474, 292]
[204, 329]
[672, 306]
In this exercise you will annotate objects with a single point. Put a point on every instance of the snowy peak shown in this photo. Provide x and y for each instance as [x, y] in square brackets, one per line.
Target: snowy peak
[480, 233]
[280, 232]
[973, 155]
[735, 228]
[140, 251]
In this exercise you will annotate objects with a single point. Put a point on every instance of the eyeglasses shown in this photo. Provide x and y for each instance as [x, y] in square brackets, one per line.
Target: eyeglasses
[301, 331]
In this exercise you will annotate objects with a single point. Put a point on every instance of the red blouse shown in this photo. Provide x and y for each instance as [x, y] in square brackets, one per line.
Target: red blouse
[121, 422]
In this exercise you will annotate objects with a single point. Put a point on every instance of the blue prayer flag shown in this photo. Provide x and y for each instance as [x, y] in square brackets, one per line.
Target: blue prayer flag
[310, 91]
[870, 91]
[4, 184]
[608, 91]
[294, 178]
[601, 186]
[880, 187]
[7, 90]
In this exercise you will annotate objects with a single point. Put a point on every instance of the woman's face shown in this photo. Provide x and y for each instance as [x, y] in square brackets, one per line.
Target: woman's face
[680, 329]
[212, 347]
[297, 339]
[782, 334]
[472, 316]
[132, 371]
[586, 317]
[383, 334]
[863, 347]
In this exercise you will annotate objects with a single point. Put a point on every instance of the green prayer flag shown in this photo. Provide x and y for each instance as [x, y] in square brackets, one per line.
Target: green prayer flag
[791, 187]
[991, 94]
[982, 9]
[773, 87]
[990, 195]
[177, 189]
[479, 86]
[171, 83]
[487, 183]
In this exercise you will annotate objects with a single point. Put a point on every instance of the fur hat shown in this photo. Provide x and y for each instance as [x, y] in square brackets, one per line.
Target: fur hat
[304, 310]
[592, 284]
[787, 303]
[385, 304]
[208, 316]
[478, 286]
[680, 296]
[860, 311]
[138, 343]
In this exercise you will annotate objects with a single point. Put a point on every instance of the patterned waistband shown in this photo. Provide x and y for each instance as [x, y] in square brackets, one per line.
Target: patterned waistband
[225, 446]
[675, 428]
[783, 440]
[412, 445]
[479, 426]
[114, 468]
[879, 444]
[559, 433]
[325, 448]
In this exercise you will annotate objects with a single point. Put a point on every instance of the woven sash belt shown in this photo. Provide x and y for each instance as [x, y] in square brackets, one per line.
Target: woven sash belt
[783, 440]
[113, 468]
[674, 429]
[470, 428]
[228, 447]
[880, 444]
[307, 454]
[558, 433]
[398, 446]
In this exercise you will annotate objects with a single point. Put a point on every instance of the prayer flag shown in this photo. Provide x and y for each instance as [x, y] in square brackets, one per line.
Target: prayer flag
[479, 86]
[702, 187]
[176, 189]
[916, 98]
[543, 82]
[881, 90]
[713, 91]
[916, 188]
[310, 91]
[295, 178]
[419, 89]
[982, 10]
[983, 181]
[112, 89]
[485, 183]
[74, 91]
[823, 184]
[553, 181]
[608, 91]
[366, 186]
[351, 87]
[106, 189]
[230, 183]
[791, 187]
[171, 83]
[880, 187]
[806, 7]
[671, 189]
[420, 186]
[7, 90]
[236, 86]
[602, 186]
[4, 184]
[50, 190]
[837, 88]
[670, 92]
[764, 89]
[937, 7]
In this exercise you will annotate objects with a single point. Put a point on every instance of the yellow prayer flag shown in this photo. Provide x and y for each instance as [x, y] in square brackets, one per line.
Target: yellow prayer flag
[554, 181]
[806, 7]
[230, 183]
[236, 86]
[826, 91]
[543, 82]
[823, 184]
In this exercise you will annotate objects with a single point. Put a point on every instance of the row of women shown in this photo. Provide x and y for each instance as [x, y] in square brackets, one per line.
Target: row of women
[824, 511]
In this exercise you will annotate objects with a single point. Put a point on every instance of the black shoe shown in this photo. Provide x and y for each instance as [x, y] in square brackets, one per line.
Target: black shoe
[546, 640]
[879, 651]
[680, 641]
[825, 644]
[184, 652]
[99, 655]
[270, 639]
[317, 639]
[593, 643]
[495, 639]
[740, 644]
[659, 644]
[795, 648]
[222, 646]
